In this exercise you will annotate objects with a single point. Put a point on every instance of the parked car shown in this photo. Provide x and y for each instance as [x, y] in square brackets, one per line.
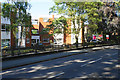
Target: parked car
[95, 41]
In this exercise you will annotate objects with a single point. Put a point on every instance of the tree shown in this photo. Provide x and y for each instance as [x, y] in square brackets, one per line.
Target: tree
[110, 18]
[77, 12]
[93, 15]
[59, 26]
[19, 16]
[99, 15]
[73, 11]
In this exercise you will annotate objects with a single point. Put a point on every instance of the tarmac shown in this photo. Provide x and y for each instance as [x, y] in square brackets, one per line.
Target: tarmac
[17, 62]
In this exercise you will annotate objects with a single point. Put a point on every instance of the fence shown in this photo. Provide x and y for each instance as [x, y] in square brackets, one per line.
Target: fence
[9, 52]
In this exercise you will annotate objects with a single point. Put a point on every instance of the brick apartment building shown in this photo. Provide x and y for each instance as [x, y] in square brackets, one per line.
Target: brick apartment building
[38, 34]
[39, 25]
[7, 37]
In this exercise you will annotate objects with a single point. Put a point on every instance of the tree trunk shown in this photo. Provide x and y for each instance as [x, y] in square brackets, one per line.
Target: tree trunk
[83, 40]
[76, 37]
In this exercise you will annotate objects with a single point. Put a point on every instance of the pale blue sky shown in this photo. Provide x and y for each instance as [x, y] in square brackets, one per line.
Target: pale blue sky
[40, 8]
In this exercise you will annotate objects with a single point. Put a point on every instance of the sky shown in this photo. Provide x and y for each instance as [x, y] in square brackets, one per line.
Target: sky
[40, 8]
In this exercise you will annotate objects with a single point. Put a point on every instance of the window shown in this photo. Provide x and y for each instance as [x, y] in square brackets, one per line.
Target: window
[38, 41]
[28, 40]
[59, 39]
[5, 27]
[35, 31]
[45, 40]
[33, 40]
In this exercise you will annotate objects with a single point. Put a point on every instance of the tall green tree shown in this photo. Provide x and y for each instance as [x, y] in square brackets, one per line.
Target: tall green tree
[73, 11]
[18, 14]
[110, 18]
[77, 12]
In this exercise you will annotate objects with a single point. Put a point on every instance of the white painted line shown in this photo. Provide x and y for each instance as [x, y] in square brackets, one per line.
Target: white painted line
[84, 64]
[98, 59]
[55, 75]
[91, 62]
[94, 61]
[114, 53]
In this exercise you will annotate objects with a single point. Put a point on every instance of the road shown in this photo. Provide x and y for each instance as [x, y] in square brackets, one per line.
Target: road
[95, 64]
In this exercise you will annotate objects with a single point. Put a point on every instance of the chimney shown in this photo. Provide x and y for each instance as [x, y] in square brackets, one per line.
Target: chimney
[40, 20]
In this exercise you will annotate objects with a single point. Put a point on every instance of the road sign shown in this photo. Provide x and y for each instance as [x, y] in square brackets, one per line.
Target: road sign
[94, 37]
[107, 36]
[100, 36]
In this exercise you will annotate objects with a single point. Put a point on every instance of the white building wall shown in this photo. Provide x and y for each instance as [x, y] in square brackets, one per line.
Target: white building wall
[18, 35]
[73, 40]
[5, 20]
[5, 35]
[59, 39]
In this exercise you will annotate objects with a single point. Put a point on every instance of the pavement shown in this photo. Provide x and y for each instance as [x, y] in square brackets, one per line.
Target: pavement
[92, 65]
[36, 59]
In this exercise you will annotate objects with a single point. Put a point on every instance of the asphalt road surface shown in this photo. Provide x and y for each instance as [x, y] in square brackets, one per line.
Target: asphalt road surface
[95, 64]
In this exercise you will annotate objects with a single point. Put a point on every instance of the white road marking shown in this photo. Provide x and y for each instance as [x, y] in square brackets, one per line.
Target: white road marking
[98, 59]
[84, 64]
[55, 75]
[114, 54]
[91, 62]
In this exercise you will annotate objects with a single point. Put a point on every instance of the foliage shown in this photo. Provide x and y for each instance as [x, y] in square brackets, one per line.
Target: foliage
[79, 12]
[103, 17]
[58, 25]
[18, 14]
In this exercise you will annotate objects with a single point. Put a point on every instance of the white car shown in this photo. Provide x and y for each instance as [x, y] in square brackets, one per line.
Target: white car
[93, 41]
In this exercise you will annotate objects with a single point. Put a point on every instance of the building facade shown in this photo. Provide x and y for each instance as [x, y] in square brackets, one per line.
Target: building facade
[5, 33]
[38, 35]
[10, 40]
[39, 32]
